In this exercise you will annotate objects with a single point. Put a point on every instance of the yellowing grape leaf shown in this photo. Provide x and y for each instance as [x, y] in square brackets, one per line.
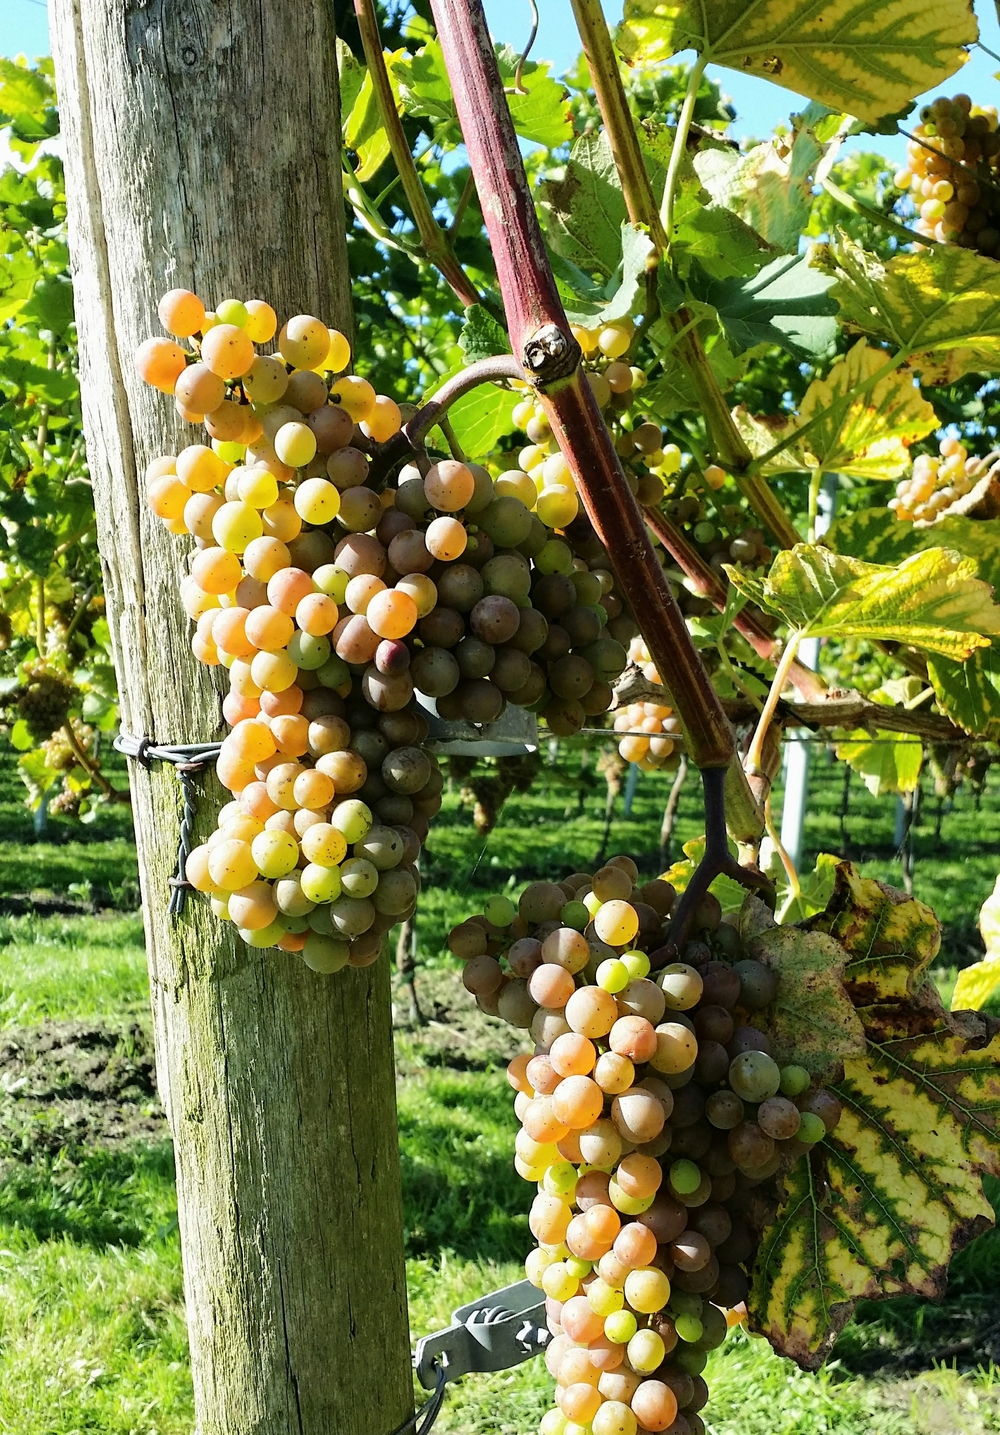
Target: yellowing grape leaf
[886, 761]
[892, 939]
[867, 436]
[940, 305]
[969, 693]
[932, 600]
[811, 1021]
[976, 984]
[865, 57]
[878, 1207]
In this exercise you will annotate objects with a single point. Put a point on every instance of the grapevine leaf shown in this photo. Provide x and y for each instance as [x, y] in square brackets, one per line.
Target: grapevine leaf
[868, 436]
[769, 186]
[542, 115]
[481, 417]
[872, 534]
[815, 890]
[942, 305]
[881, 1204]
[969, 693]
[887, 761]
[617, 299]
[481, 335]
[786, 303]
[976, 984]
[811, 1021]
[586, 209]
[760, 434]
[351, 73]
[712, 236]
[892, 939]
[364, 132]
[931, 600]
[858, 56]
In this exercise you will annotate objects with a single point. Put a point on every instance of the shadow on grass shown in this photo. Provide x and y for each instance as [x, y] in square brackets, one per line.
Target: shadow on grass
[98, 1197]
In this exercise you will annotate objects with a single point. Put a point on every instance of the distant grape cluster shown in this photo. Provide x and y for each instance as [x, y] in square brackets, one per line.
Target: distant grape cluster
[337, 600]
[652, 1118]
[937, 482]
[43, 699]
[952, 173]
[650, 734]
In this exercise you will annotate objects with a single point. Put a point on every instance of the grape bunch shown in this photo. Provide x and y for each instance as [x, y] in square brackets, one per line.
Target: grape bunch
[335, 600]
[937, 482]
[653, 1117]
[650, 732]
[43, 699]
[952, 173]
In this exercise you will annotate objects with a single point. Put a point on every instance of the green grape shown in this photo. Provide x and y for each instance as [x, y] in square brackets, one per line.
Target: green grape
[353, 818]
[332, 581]
[555, 557]
[500, 911]
[612, 975]
[794, 1080]
[620, 1326]
[308, 652]
[231, 311]
[578, 1267]
[507, 521]
[685, 1177]
[811, 1129]
[754, 1076]
[324, 953]
[560, 1178]
[334, 673]
[263, 936]
[575, 915]
[637, 964]
[689, 1328]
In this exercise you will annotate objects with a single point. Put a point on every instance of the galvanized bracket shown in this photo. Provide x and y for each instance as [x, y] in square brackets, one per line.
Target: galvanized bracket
[494, 1333]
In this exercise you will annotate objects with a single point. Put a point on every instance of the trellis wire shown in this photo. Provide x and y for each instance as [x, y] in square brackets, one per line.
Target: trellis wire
[421, 1420]
[189, 759]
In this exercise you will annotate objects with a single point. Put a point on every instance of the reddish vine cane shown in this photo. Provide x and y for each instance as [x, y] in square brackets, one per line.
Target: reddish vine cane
[541, 336]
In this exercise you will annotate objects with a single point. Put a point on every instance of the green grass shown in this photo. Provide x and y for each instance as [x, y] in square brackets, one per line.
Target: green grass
[91, 1308]
[52, 967]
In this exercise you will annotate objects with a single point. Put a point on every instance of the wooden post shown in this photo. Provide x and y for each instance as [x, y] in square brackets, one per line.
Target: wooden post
[202, 150]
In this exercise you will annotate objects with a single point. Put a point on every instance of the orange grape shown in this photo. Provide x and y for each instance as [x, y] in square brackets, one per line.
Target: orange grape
[446, 539]
[199, 390]
[227, 350]
[264, 557]
[216, 570]
[269, 629]
[449, 485]
[160, 363]
[167, 497]
[384, 419]
[253, 906]
[304, 341]
[181, 312]
[287, 588]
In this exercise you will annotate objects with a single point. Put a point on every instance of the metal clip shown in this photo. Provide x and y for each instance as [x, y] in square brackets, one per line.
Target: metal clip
[494, 1333]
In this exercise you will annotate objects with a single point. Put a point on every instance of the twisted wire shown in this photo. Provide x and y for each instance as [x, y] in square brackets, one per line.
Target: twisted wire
[421, 1420]
[189, 759]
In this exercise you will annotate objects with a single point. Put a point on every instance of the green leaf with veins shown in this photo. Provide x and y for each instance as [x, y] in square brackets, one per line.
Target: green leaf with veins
[868, 436]
[931, 600]
[787, 303]
[770, 186]
[482, 337]
[940, 305]
[585, 209]
[541, 115]
[969, 693]
[623, 289]
[887, 761]
[859, 56]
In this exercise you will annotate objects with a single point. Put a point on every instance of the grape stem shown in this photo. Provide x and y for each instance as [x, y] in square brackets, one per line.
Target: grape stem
[726, 442]
[411, 437]
[541, 336]
[710, 585]
[433, 239]
[717, 861]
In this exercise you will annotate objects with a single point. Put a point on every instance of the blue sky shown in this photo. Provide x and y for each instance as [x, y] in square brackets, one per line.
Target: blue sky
[24, 27]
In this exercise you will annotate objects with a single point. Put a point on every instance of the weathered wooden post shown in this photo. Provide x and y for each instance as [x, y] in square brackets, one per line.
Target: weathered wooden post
[202, 150]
